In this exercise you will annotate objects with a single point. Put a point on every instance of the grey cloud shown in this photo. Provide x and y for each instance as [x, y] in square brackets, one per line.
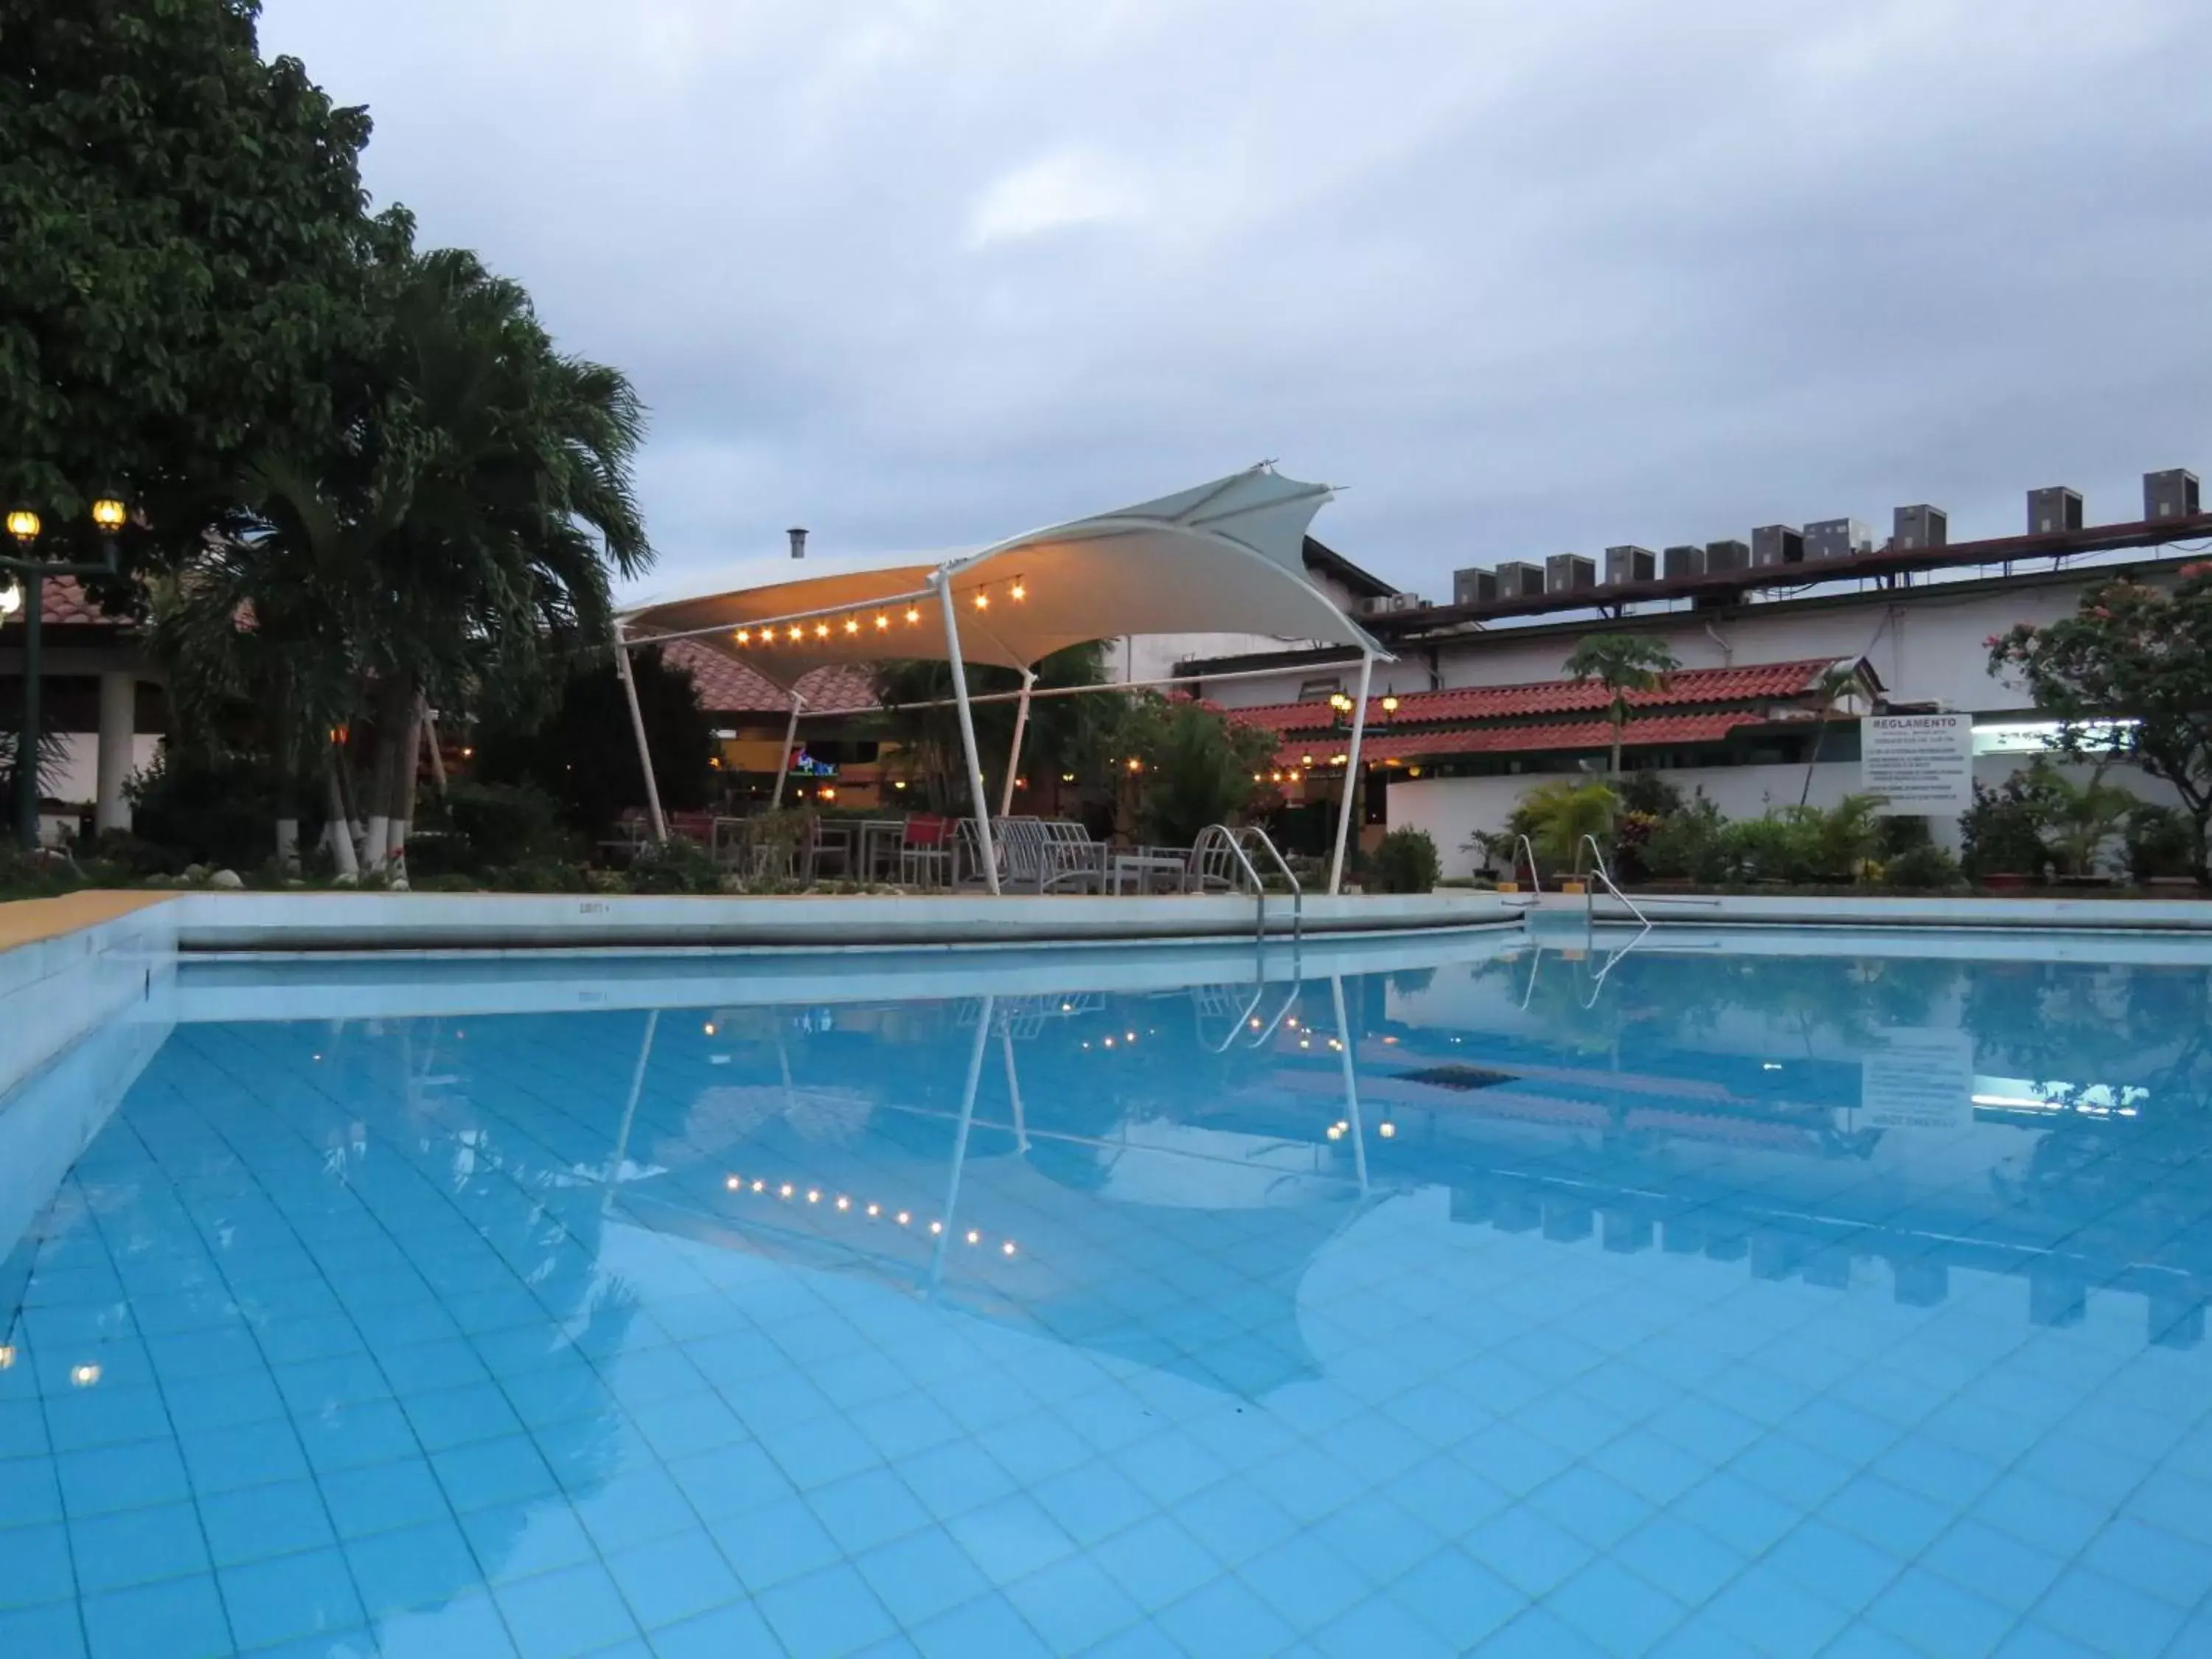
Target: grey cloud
[1524, 277]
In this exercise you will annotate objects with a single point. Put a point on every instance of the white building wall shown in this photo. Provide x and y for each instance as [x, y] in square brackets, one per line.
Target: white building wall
[78, 778]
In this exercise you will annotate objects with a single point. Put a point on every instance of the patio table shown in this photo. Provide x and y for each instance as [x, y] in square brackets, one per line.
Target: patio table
[1143, 866]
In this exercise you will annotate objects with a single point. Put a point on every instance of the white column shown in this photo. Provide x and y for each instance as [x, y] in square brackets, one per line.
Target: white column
[990, 853]
[950, 1221]
[637, 730]
[790, 739]
[1014, 753]
[118, 724]
[1351, 772]
[1350, 1084]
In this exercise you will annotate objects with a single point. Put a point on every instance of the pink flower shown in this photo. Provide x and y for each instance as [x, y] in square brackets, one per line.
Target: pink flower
[1991, 642]
[2201, 568]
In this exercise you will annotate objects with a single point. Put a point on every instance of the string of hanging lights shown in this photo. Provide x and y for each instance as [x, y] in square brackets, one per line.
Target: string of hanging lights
[867, 622]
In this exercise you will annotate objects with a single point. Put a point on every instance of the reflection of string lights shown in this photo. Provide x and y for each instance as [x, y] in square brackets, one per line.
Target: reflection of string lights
[84, 1376]
[843, 1202]
[1386, 1129]
[7, 1356]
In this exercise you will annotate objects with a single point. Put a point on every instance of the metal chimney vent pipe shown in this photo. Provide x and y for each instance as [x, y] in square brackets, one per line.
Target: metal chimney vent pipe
[798, 534]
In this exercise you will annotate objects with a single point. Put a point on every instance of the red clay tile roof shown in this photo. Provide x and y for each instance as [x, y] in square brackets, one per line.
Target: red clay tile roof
[727, 686]
[1689, 686]
[63, 603]
[1521, 739]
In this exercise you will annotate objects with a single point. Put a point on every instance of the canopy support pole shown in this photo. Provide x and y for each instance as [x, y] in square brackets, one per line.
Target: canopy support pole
[1351, 772]
[790, 740]
[637, 730]
[1014, 754]
[989, 852]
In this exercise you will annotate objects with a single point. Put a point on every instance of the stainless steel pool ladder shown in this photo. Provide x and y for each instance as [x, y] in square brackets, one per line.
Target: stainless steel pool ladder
[1590, 910]
[1232, 842]
[1535, 894]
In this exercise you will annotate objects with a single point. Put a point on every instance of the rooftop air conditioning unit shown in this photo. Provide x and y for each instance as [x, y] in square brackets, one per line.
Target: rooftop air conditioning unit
[1837, 539]
[1684, 560]
[2053, 508]
[1405, 602]
[1727, 554]
[1776, 544]
[1629, 563]
[1474, 586]
[1568, 572]
[1921, 527]
[1518, 578]
[2170, 495]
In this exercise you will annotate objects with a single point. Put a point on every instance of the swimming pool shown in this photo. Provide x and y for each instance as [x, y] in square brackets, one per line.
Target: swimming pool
[1748, 1299]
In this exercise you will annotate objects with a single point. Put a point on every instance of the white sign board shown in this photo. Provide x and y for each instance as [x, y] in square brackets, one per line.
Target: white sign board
[1921, 763]
[1913, 1078]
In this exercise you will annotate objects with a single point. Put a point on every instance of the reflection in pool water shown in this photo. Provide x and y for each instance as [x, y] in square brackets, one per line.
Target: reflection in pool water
[1726, 1303]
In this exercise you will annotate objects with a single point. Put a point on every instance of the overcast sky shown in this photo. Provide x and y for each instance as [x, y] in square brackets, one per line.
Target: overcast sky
[1523, 276]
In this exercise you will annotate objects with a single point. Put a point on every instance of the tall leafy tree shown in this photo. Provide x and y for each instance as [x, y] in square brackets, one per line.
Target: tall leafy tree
[185, 241]
[1621, 663]
[1064, 734]
[1836, 681]
[2138, 654]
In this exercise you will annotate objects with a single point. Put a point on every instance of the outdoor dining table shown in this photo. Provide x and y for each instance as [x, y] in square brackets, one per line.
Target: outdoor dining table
[880, 841]
[1144, 864]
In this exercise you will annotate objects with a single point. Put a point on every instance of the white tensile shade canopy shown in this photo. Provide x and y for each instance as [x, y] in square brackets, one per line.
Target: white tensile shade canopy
[1226, 557]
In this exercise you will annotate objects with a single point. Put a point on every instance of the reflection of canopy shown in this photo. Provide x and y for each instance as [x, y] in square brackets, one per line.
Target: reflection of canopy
[1210, 1294]
[1226, 557]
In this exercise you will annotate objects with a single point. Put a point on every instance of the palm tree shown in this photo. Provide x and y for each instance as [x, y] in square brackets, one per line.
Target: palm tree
[1621, 663]
[1835, 683]
[1065, 734]
[1560, 813]
[498, 470]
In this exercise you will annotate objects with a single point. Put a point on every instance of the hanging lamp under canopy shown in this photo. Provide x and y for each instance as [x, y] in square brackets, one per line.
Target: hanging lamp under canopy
[1226, 557]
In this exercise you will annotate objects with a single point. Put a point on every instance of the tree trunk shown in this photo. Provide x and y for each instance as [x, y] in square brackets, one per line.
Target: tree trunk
[285, 747]
[403, 707]
[1819, 736]
[341, 825]
[1616, 750]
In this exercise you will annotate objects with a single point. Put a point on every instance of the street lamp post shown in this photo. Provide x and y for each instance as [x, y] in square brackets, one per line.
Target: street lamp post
[24, 527]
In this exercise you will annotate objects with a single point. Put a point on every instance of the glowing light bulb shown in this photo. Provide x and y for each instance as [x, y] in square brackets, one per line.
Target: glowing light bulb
[875, 1209]
[974, 1238]
[852, 624]
[1020, 590]
[1008, 1247]
[912, 615]
[822, 630]
[983, 601]
[744, 636]
[844, 1203]
[797, 633]
[882, 622]
[904, 1218]
[784, 1191]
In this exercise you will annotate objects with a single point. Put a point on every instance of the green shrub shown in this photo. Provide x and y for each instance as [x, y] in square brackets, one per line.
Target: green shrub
[496, 824]
[1556, 815]
[539, 875]
[2001, 833]
[1689, 844]
[1647, 791]
[2158, 843]
[1404, 861]
[674, 867]
[200, 812]
[1927, 868]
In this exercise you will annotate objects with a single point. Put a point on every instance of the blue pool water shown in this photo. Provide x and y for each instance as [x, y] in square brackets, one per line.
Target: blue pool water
[1761, 1304]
